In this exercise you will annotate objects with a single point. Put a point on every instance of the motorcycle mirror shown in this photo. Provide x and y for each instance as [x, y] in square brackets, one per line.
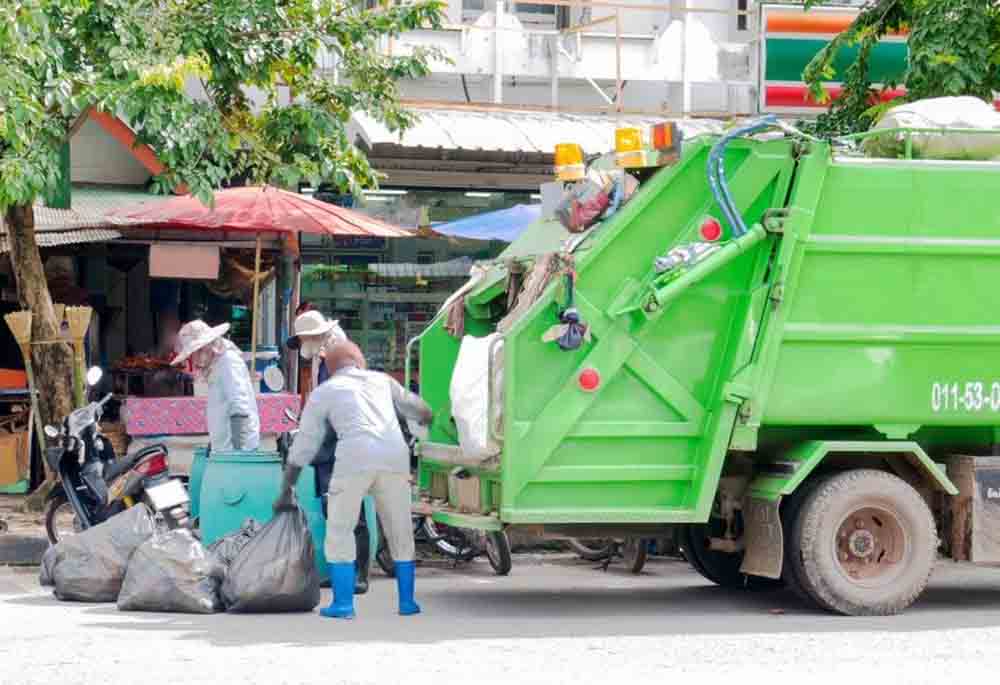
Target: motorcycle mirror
[51, 432]
[94, 374]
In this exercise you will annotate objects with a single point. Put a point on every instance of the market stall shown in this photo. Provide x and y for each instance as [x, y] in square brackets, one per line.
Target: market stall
[243, 250]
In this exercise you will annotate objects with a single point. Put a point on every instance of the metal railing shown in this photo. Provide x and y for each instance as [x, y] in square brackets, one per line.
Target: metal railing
[908, 133]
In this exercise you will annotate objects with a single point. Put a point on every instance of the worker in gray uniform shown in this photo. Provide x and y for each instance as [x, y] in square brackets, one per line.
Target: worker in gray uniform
[314, 334]
[371, 457]
[231, 409]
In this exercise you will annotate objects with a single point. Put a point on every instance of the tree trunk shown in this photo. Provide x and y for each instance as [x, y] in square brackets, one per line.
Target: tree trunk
[52, 364]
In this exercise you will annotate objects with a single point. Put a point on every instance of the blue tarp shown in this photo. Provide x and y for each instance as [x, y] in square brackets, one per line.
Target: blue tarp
[504, 224]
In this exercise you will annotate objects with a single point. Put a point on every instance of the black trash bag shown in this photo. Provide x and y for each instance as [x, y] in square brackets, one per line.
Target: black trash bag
[228, 547]
[90, 566]
[171, 572]
[276, 571]
[575, 332]
[48, 562]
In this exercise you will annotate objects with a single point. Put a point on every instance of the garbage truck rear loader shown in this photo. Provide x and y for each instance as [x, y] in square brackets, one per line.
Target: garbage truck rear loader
[811, 397]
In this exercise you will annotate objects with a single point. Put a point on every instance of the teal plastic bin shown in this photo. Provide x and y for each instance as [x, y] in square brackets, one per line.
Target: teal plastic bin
[196, 478]
[241, 485]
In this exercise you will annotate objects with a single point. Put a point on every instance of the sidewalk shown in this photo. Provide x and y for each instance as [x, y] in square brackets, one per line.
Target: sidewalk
[24, 540]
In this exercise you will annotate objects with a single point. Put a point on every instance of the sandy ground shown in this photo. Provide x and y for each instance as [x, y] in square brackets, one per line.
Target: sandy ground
[554, 620]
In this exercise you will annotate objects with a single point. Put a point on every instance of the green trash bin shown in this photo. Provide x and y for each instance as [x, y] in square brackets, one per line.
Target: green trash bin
[241, 485]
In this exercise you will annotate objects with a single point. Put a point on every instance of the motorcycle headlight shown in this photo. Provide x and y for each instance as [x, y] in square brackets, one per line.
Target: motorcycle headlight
[79, 420]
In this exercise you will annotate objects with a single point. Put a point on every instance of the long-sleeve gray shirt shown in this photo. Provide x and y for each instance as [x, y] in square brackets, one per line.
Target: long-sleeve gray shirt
[361, 407]
[231, 395]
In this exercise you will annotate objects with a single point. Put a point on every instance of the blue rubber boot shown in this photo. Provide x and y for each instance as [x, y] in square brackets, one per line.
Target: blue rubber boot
[405, 572]
[342, 581]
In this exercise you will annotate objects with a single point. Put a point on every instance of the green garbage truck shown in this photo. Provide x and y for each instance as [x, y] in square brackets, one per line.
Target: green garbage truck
[808, 396]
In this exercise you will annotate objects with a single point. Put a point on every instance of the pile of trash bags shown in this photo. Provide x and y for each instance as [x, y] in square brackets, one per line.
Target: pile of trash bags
[133, 560]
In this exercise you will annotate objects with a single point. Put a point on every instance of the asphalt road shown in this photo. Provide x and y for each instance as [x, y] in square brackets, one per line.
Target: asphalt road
[551, 621]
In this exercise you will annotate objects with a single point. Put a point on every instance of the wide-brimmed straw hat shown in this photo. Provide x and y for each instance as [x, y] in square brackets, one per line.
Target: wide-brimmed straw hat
[309, 323]
[195, 335]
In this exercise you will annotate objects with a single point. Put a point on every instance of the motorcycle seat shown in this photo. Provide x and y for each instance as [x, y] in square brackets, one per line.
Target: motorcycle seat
[123, 464]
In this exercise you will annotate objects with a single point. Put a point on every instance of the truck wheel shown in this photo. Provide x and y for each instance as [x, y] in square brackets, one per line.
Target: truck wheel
[720, 568]
[635, 551]
[867, 543]
[498, 552]
[791, 570]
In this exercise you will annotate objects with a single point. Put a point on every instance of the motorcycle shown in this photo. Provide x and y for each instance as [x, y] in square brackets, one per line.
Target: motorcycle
[94, 485]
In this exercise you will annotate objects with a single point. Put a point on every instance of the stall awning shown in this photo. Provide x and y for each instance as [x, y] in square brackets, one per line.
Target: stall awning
[508, 132]
[493, 148]
[504, 224]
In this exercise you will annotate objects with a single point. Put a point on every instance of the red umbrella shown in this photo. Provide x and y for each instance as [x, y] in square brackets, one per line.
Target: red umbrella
[258, 209]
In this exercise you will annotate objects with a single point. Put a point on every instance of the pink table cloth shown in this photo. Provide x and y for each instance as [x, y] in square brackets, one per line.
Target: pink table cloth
[186, 415]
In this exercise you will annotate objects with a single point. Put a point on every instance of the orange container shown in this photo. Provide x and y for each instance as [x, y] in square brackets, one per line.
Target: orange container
[12, 379]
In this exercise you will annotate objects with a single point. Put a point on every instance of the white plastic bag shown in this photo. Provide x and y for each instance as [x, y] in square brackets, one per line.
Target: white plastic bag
[469, 392]
[951, 112]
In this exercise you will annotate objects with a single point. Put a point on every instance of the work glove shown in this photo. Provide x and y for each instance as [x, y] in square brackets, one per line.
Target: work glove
[239, 429]
[286, 498]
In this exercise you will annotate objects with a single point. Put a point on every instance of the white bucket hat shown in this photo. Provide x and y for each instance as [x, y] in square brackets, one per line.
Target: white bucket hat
[313, 323]
[195, 335]
[310, 323]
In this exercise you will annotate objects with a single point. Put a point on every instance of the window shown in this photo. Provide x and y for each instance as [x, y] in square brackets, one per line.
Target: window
[525, 11]
[742, 20]
[531, 8]
[425, 258]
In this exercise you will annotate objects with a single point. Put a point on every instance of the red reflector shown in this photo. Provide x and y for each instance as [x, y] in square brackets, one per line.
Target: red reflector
[152, 466]
[711, 229]
[589, 380]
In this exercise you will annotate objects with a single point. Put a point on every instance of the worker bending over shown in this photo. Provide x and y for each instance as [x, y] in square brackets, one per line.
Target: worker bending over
[371, 456]
[314, 335]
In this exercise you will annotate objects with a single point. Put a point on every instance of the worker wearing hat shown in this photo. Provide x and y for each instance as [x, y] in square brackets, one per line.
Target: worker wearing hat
[314, 335]
[233, 419]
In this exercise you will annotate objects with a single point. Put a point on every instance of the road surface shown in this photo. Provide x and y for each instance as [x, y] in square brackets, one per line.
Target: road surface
[552, 621]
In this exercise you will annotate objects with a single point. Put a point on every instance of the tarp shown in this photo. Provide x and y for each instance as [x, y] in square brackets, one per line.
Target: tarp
[505, 224]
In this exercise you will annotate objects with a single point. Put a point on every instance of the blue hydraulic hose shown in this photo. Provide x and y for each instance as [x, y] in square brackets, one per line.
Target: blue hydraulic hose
[717, 173]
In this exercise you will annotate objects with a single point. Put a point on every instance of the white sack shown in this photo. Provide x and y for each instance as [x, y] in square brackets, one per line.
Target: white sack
[469, 391]
[950, 112]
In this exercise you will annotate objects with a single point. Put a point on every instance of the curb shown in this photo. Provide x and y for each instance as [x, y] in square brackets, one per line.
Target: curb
[22, 550]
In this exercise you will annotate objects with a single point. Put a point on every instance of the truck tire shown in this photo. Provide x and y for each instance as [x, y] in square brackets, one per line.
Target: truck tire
[867, 543]
[720, 568]
[635, 551]
[791, 570]
[497, 547]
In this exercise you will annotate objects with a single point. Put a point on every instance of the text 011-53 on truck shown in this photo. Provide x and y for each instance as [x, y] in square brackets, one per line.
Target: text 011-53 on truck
[807, 396]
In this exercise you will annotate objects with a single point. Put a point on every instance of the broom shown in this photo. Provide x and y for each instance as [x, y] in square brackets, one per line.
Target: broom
[20, 326]
[78, 319]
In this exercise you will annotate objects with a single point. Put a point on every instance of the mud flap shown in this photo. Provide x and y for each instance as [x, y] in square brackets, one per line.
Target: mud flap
[764, 539]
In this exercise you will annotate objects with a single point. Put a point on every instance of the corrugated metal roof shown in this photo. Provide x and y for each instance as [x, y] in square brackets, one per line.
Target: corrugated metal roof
[74, 237]
[86, 221]
[503, 131]
[455, 268]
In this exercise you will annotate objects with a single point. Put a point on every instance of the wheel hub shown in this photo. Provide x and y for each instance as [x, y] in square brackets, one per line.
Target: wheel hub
[861, 543]
[870, 543]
